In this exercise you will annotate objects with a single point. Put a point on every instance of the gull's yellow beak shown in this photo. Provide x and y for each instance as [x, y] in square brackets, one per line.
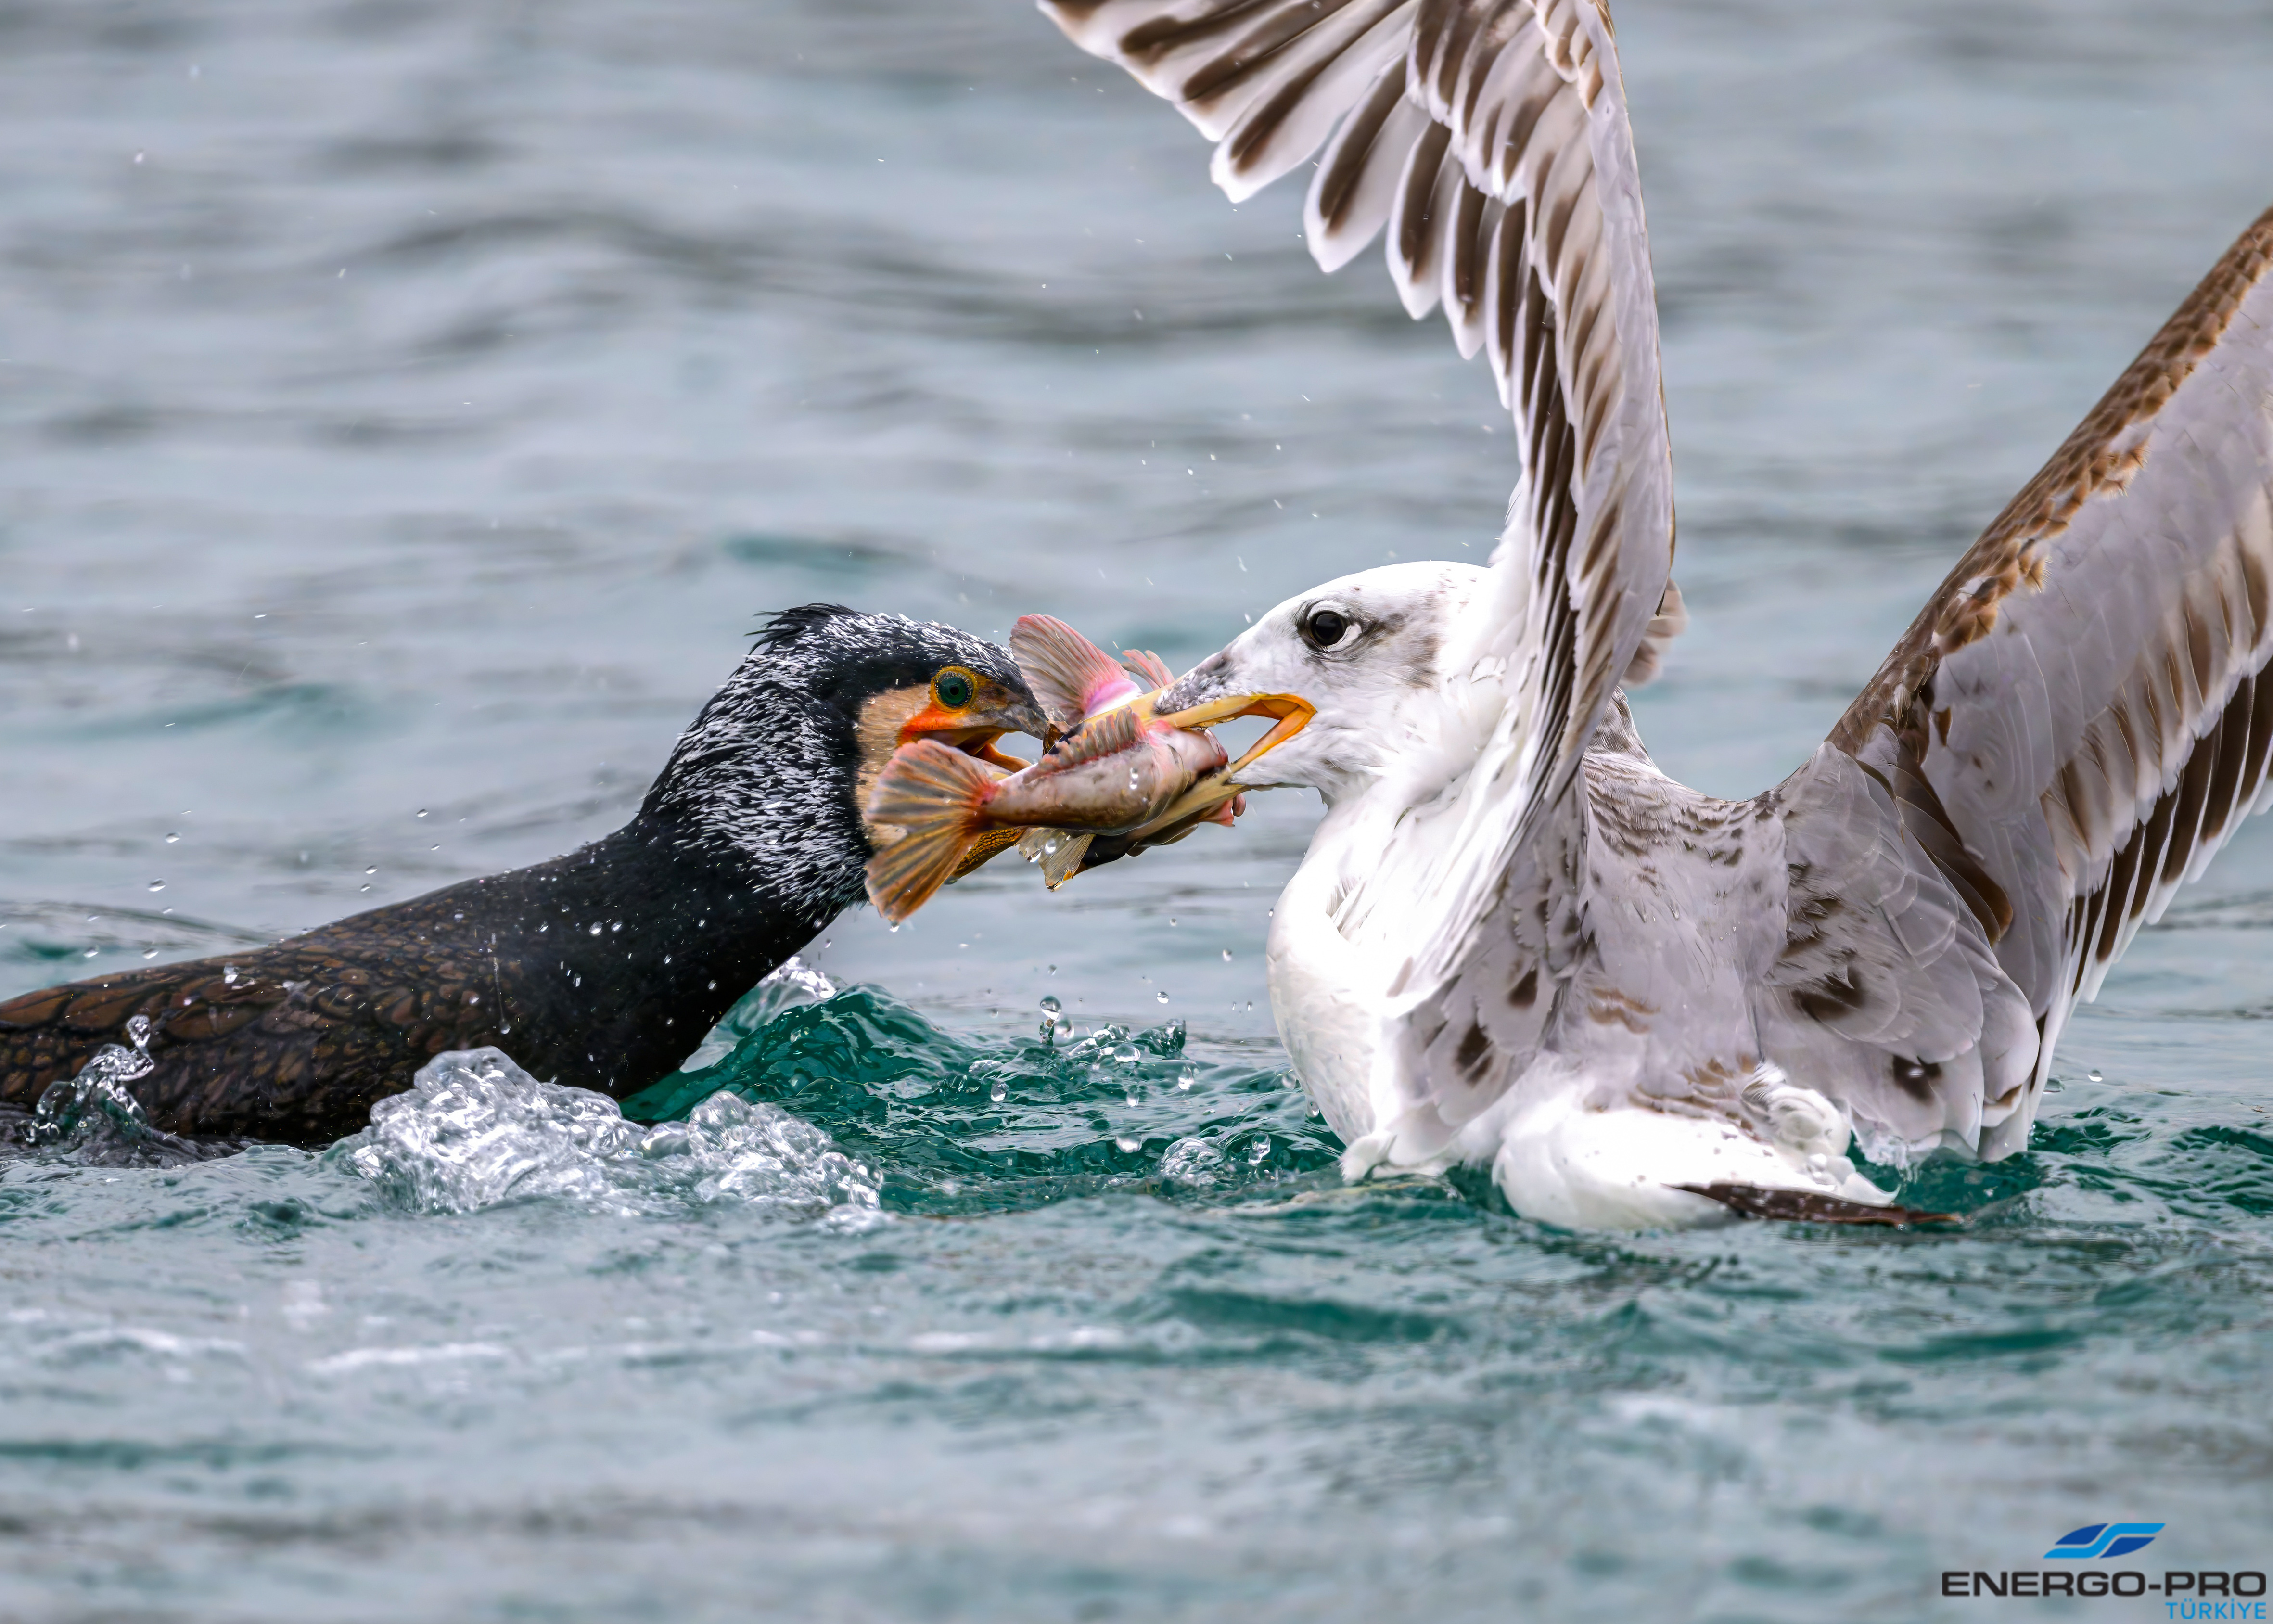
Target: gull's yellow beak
[1292, 712]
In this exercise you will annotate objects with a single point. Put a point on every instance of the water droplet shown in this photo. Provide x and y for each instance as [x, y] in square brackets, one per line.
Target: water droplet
[1052, 1005]
[1159, 997]
[372, 870]
[2094, 1076]
[229, 975]
[92, 952]
[1226, 955]
[157, 886]
[596, 931]
[421, 811]
[1259, 1152]
[1124, 1141]
[149, 952]
[1184, 1081]
[1000, 1092]
[1127, 1055]
[171, 838]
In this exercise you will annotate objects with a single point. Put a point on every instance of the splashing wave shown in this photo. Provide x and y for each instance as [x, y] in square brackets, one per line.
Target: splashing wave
[475, 1130]
[958, 1124]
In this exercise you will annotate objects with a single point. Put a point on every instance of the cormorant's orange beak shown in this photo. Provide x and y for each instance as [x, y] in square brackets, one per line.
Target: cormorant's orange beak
[993, 711]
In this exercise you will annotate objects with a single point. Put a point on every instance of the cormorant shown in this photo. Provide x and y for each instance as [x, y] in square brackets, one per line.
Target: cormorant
[602, 969]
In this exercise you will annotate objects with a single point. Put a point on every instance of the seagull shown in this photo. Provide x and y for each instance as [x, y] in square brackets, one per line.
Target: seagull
[1513, 942]
[601, 969]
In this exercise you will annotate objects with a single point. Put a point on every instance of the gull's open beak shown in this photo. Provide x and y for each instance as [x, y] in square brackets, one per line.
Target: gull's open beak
[1292, 712]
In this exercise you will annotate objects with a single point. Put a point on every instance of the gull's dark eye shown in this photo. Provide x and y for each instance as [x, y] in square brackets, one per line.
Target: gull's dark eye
[1325, 628]
[953, 689]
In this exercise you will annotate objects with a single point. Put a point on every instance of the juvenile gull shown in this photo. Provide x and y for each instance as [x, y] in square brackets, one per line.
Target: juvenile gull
[1514, 941]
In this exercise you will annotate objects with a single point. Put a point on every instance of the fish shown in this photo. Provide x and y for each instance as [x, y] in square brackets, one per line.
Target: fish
[1112, 767]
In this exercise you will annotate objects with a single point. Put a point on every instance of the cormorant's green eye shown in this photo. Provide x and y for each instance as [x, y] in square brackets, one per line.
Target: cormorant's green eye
[953, 689]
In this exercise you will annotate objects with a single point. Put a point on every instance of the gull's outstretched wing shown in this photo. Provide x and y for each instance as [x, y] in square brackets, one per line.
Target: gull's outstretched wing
[1490, 139]
[2077, 719]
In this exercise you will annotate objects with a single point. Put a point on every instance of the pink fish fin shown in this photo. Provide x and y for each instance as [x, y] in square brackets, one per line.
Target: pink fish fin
[1059, 851]
[1063, 668]
[1106, 735]
[1147, 667]
[932, 795]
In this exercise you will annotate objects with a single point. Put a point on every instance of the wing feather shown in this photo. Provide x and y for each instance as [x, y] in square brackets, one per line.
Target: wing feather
[1490, 137]
[1349, 202]
[2086, 696]
[1487, 141]
[1305, 97]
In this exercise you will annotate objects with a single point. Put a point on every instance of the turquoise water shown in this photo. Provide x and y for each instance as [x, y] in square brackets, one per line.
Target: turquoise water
[416, 428]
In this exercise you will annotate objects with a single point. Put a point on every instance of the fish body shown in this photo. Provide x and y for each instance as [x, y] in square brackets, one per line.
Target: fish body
[1081, 685]
[1114, 767]
[1115, 777]
[1114, 770]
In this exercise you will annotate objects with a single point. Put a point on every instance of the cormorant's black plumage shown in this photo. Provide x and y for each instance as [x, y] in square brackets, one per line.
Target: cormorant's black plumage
[603, 968]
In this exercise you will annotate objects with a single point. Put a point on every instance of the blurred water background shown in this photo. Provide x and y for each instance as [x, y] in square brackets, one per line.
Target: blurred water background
[407, 408]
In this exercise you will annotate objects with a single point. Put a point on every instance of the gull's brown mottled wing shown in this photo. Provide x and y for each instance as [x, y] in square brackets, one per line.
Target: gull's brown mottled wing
[1490, 139]
[2080, 715]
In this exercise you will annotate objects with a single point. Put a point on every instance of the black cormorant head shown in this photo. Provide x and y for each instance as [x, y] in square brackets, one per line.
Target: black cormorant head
[777, 770]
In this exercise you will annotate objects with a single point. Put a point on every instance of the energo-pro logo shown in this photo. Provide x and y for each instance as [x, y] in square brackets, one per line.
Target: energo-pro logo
[2190, 1593]
[2106, 1539]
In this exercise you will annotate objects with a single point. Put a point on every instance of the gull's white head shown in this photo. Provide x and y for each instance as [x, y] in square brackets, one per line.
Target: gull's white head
[1365, 652]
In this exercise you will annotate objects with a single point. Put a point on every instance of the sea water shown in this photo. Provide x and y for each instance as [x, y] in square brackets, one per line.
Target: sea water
[407, 411]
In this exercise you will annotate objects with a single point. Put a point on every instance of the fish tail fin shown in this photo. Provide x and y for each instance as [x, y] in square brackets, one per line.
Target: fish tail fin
[1059, 851]
[1147, 667]
[1065, 669]
[933, 796]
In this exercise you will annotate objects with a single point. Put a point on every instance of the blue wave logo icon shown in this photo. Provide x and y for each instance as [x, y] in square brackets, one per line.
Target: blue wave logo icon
[2106, 1539]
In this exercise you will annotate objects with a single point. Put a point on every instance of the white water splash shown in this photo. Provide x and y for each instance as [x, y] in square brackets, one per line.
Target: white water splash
[475, 1130]
[95, 1120]
[1196, 1163]
[791, 984]
[97, 1103]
